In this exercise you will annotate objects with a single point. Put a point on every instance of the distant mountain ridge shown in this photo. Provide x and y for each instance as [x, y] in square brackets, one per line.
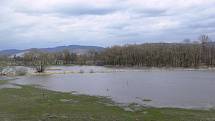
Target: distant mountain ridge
[78, 49]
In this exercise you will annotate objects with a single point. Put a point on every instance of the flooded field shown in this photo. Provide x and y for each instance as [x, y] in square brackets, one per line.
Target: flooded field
[182, 88]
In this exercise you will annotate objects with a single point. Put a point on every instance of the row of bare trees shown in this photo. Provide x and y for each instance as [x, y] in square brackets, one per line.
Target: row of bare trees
[163, 54]
[39, 60]
[186, 54]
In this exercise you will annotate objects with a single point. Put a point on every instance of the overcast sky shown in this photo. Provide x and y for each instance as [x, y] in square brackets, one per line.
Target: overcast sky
[47, 23]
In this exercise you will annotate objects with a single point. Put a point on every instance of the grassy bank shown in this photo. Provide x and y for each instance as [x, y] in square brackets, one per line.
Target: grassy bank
[3, 82]
[34, 104]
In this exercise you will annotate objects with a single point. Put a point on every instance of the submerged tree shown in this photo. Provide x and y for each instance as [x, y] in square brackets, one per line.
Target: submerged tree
[39, 60]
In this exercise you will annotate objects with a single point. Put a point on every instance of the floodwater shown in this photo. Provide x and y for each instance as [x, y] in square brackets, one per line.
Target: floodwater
[152, 87]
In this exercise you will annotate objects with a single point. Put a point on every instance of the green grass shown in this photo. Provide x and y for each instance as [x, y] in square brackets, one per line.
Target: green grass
[3, 82]
[33, 104]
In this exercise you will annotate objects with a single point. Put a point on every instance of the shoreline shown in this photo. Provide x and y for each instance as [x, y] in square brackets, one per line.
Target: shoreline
[9, 84]
[33, 103]
[51, 70]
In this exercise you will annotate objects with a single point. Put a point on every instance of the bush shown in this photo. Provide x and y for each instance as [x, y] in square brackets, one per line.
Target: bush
[8, 71]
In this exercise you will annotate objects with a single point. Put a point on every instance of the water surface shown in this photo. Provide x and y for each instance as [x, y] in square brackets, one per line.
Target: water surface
[165, 88]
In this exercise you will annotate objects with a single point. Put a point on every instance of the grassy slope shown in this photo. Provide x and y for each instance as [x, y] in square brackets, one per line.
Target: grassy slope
[30, 103]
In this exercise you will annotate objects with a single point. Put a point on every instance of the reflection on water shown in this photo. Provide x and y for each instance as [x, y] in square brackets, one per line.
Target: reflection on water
[161, 88]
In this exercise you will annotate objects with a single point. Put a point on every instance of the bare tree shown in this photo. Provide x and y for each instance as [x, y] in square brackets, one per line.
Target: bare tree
[39, 60]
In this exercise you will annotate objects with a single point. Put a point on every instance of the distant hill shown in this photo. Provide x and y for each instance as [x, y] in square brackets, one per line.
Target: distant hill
[78, 49]
[10, 52]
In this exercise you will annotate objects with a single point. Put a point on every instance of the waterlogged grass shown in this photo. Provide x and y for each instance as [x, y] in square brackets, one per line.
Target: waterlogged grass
[33, 104]
[3, 82]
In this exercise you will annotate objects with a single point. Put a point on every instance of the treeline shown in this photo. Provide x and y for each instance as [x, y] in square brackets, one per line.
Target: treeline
[39, 60]
[65, 57]
[163, 54]
[185, 54]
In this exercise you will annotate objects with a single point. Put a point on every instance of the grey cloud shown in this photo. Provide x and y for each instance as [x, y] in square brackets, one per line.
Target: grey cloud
[203, 23]
[151, 12]
[84, 10]
[118, 23]
[71, 10]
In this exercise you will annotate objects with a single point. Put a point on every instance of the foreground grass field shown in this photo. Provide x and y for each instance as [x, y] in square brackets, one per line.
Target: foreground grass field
[34, 104]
